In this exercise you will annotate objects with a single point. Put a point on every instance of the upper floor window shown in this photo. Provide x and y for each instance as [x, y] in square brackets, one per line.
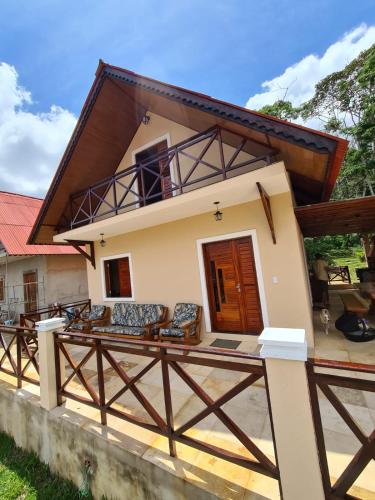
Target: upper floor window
[118, 279]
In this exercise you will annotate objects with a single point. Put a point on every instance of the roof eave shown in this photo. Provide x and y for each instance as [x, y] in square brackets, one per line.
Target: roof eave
[100, 74]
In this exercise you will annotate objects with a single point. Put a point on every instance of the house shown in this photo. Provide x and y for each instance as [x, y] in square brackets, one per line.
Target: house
[34, 276]
[180, 197]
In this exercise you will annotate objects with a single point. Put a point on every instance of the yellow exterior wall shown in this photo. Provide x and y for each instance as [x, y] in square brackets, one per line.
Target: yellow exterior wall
[159, 127]
[165, 260]
[164, 129]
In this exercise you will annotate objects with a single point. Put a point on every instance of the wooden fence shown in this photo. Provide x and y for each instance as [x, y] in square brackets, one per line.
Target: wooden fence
[19, 354]
[165, 358]
[71, 310]
[323, 374]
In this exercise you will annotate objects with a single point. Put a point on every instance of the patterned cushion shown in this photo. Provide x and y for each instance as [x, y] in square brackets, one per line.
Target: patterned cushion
[126, 314]
[97, 312]
[150, 313]
[80, 325]
[171, 332]
[183, 314]
[118, 329]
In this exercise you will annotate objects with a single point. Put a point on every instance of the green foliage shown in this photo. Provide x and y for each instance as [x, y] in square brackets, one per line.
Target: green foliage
[281, 109]
[345, 103]
[337, 251]
[22, 475]
[333, 247]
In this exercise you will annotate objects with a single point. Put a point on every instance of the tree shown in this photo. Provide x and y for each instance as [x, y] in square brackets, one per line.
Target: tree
[281, 109]
[345, 103]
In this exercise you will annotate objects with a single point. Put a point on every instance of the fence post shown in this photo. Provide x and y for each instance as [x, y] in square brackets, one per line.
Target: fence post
[285, 354]
[47, 366]
[19, 359]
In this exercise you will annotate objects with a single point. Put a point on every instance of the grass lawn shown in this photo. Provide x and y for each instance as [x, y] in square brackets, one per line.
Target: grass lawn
[23, 476]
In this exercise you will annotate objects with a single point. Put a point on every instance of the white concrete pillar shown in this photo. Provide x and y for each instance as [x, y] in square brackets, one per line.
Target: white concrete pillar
[285, 353]
[47, 366]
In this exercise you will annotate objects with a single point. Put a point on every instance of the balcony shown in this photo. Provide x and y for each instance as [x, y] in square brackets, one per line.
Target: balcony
[199, 161]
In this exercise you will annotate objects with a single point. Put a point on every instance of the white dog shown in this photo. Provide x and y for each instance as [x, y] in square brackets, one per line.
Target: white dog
[325, 318]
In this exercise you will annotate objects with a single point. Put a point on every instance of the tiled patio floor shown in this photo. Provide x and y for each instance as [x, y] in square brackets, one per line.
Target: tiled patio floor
[335, 345]
[248, 410]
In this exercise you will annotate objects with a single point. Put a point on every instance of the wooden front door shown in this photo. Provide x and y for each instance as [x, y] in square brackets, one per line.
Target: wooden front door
[30, 290]
[232, 286]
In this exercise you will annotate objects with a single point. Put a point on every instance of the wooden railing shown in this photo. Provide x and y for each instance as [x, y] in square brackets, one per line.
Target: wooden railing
[339, 273]
[127, 189]
[323, 374]
[19, 354]
[71, 310]
[164, 359]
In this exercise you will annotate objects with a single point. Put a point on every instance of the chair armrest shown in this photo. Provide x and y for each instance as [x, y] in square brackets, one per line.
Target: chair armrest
[164, 324]
[186, 328]
[98, 322]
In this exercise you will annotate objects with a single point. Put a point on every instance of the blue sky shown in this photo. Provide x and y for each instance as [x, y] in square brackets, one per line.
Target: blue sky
[223, 48]
[241, 51]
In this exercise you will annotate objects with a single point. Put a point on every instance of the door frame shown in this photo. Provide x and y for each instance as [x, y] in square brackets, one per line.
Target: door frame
[153, 142]
[30, 271]
[258, 269]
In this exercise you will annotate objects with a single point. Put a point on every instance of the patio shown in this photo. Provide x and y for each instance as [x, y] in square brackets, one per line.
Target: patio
[335, 345]
[249, 410]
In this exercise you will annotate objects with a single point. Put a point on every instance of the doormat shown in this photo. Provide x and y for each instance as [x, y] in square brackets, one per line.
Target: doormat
[225, 344]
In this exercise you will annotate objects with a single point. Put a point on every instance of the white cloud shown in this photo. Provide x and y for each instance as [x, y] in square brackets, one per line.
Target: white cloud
[300, 79]
[31, 144]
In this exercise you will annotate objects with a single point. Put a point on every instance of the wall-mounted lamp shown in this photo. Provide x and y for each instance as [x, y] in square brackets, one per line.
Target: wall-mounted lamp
[102, 241]
[218, 215]
[146, 119]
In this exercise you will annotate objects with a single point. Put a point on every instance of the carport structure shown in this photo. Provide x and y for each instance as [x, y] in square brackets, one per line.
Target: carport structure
[356, 215]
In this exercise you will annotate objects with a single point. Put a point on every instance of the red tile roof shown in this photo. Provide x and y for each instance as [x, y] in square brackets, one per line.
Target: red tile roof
[17, 216]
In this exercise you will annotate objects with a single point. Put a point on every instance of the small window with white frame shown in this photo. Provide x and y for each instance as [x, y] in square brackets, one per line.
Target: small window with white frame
[117, 277]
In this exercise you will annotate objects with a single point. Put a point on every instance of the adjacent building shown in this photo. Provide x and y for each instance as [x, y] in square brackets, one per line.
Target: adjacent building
[34, 276]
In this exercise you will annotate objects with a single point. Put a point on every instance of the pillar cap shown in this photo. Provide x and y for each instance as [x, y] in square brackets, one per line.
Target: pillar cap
[283, 343]
[49, 324]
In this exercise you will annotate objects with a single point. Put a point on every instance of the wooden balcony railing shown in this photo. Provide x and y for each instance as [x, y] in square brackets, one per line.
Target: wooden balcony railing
[101, 355]
[19, 354]
[179, 169]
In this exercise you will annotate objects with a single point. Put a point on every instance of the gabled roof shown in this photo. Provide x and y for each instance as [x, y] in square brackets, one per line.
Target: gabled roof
[113, 111]
[17, 216]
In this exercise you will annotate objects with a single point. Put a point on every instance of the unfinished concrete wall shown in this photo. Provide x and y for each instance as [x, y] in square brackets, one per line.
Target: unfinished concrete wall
[61, 439]
[66, 278]
[13, 273]
[61, 278]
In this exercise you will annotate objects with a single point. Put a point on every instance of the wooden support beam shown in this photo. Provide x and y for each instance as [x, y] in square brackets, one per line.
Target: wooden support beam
[78, 246]
[267, 210]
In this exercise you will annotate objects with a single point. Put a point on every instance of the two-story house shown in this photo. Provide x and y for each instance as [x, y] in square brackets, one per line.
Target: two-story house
[180, 197]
